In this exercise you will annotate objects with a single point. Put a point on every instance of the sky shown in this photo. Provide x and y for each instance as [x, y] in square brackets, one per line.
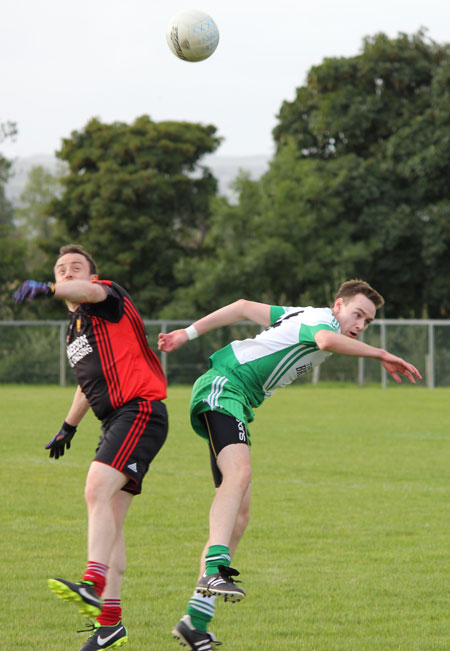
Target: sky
[64, 62]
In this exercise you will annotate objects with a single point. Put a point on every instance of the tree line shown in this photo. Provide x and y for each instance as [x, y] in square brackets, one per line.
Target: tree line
[358, 187]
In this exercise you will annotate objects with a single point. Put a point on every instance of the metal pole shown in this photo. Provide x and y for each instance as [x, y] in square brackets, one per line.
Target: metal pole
[361, 367]
[163, 354]
[383, 345]
[430, 365]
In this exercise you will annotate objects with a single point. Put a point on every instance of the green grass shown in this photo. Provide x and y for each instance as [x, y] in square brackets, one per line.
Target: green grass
[347, 548]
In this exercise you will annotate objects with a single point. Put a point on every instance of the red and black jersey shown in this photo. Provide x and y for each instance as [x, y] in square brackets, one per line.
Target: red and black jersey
[108, 351]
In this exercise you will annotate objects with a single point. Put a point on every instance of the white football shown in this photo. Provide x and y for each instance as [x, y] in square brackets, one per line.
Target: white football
[192, 35]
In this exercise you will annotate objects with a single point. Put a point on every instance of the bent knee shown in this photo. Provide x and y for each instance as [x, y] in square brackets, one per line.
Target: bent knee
[94, 490]
[91, 495]
[246, 474]
[239, 475]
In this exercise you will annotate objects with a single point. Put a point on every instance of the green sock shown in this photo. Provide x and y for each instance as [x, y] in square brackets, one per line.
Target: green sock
[217, 555]
[201, 610]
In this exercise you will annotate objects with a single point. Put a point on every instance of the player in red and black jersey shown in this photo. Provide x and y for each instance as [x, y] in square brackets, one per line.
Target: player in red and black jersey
[121, 379]
[108, 350]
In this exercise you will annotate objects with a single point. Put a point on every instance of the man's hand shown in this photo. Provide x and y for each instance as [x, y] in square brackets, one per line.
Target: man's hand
[167, 342]
[395, 365]
[61, 440]
[31, 289]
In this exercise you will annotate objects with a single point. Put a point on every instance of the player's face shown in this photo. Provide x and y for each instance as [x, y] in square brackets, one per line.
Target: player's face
[354, 315]
[72, 266]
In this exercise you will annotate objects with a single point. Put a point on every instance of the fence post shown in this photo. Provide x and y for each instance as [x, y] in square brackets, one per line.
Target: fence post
[163, 354]
[361, 366]
[430, 357]
[383, 345]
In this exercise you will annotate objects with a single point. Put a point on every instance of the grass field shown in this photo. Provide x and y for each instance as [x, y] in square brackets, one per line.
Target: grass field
[348, 547]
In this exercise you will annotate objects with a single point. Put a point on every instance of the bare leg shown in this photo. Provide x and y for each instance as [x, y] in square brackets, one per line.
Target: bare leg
[234, 463]
[102, 486]
[198, 614]
[107, 509]
[241, 523]
[117, 559]
[238, 531]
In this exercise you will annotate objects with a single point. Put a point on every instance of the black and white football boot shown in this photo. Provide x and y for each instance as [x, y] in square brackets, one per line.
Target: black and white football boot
[221, 584]
[189, 636]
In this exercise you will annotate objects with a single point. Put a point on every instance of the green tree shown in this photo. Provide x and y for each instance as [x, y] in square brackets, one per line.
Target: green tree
[380, 124]
[138, 199]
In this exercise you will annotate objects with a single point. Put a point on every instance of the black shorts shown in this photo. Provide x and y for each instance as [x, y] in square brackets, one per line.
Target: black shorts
[222, 430]
[131, 438]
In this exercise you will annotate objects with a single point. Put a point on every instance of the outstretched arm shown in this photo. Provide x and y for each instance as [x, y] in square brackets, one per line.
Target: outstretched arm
[232, 313]
[342, 345]
[75, 291]
[81, 291]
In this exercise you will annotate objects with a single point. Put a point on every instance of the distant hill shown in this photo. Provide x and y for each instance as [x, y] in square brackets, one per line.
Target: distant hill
[20, 170]
[224, 168]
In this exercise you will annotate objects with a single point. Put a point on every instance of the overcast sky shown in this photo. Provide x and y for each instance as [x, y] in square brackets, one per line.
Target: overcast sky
[64, 62]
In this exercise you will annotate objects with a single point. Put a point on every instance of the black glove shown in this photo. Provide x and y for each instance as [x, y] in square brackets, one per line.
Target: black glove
[61, 440]
[32, 289]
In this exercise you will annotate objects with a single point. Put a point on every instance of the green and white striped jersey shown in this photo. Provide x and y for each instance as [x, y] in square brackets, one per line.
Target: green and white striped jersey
[278, 355]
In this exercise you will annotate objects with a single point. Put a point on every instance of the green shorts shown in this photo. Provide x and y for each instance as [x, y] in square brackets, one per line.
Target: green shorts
[215, 392]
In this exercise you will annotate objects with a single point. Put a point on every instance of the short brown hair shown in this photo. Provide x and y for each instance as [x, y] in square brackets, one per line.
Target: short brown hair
[352, 287]
[77, 248]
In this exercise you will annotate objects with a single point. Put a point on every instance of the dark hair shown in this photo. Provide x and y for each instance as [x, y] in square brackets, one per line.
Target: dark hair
[353, 287]
[77, 248]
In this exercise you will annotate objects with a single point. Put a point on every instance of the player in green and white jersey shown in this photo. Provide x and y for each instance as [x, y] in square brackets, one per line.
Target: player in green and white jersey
[256, 367]
[240, 377]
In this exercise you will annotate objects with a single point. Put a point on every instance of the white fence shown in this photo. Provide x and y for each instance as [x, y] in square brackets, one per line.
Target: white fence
[34, 351]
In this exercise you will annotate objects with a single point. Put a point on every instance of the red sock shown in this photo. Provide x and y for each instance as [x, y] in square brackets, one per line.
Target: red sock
[96, 572]
[111, 612]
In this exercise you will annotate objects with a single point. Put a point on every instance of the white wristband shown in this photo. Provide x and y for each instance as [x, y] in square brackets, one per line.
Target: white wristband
[191, 332]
